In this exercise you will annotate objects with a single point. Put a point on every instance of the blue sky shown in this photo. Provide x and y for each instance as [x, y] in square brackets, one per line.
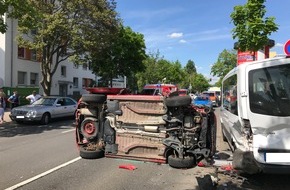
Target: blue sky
[194, 30]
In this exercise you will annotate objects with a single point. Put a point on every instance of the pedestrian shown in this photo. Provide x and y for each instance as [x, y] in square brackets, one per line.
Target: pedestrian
[33, 97]
[2, 106]
[14, 100]
[4, 102]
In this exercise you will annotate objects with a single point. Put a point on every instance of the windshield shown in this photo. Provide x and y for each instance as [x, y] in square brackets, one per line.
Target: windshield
[149, 91]
[45, 101]
[269, 90]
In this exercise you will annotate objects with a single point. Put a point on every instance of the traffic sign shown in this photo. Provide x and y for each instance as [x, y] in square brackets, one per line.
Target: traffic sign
[287, 47]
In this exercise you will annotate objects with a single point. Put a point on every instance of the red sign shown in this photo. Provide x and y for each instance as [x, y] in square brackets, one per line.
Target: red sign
[287, 47]
[246, 56]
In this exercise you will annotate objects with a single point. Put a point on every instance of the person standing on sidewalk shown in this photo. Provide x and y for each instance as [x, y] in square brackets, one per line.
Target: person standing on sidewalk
[33, 97]
[14, 100]
[4, 102]
[2, 106]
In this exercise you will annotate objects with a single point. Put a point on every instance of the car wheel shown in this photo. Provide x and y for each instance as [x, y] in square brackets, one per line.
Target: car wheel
[176, 101]
[89, 127]
[94, 98]
[176, 162]
[91, 154]
[45, 119]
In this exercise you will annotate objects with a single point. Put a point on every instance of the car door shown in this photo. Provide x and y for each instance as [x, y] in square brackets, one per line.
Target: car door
[69, 107]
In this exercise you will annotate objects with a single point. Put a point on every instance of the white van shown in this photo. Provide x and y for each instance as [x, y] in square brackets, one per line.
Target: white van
[255, 115]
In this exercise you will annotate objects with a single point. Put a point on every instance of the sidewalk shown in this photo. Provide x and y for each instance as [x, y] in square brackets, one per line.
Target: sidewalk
[7, 119]
[6, 116]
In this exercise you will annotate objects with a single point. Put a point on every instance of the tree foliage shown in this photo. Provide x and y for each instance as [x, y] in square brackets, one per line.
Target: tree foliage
[160, 70]
[252, 28]
[65, 29]
[226, 61]
[190, 67]
[122, 57]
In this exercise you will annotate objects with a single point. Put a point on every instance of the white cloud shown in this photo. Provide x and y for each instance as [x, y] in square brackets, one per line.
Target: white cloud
[175, 35]
[279, 45]
[182, 41]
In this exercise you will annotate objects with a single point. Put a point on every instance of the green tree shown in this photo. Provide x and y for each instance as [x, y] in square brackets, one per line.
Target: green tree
[252, 28]
[190, 67]
[65, 30]
[227, 60]
[200, 83]
[124, 56]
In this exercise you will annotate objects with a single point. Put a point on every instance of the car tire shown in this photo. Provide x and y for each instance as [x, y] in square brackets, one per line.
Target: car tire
[90, 154]
[89, 127]
[176, 162]
[176, 101]
[94, 98]
[45, 119]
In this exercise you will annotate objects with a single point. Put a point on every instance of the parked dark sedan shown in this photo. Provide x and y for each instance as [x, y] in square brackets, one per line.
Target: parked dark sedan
[45, 109]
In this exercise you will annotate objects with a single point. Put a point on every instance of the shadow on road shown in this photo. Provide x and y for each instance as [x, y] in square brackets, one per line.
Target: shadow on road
[11, 129]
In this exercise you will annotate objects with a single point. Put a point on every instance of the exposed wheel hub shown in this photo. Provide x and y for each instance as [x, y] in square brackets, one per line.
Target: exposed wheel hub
[89, 128]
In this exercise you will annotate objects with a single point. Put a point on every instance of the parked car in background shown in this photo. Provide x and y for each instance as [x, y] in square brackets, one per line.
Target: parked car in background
[45, 109]
[159, 89]
[182, 92]
[202, 101]
[213, 96]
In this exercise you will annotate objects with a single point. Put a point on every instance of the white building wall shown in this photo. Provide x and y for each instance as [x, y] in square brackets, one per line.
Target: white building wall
[10, 65]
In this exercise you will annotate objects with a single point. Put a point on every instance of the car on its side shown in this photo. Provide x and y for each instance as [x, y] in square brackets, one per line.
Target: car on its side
[202, 101]
[45, 109]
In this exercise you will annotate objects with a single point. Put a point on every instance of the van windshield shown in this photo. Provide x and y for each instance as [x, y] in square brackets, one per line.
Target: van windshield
[269, 90]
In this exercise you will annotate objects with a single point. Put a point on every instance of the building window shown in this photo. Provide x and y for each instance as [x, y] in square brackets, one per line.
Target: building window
[34, 79]
[33, 56]
[86, 82]
[75, 82]
[76, 66]
[85, 66]
[21, 78]
[21, 52]
[63, 71]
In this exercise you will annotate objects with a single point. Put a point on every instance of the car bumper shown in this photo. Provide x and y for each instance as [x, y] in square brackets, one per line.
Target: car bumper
[24, 118]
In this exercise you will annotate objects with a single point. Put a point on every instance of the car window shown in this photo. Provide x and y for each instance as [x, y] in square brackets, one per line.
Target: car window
[45, 101]
[68, 101]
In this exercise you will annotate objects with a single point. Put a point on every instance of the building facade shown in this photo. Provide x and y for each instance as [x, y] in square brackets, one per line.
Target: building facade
[20, 68]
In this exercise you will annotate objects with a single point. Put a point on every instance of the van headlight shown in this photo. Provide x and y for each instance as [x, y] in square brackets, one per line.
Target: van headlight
[31, 113]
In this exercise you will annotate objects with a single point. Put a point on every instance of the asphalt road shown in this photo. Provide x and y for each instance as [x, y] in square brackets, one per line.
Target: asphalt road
[45, 157]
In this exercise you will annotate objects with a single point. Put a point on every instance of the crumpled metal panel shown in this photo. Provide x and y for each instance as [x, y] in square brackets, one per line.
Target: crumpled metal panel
[140, 147]
[142, 113]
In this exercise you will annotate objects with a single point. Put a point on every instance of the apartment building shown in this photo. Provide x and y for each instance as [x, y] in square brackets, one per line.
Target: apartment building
[20, 67]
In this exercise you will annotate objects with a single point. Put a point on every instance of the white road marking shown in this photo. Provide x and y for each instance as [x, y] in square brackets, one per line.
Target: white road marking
[67, 131]
[42, 174]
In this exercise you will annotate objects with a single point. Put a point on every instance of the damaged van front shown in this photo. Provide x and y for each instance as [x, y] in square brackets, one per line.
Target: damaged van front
[255, 115]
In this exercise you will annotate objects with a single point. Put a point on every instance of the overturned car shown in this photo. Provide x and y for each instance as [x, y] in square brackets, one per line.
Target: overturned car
[144, 127]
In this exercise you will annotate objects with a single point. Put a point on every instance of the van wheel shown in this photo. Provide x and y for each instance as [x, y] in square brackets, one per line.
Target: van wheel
[176, 162]
[176, 101]
[91, 154]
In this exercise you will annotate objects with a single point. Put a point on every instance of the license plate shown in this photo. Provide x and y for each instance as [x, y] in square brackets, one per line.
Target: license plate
[277, 157]
[20, 117]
